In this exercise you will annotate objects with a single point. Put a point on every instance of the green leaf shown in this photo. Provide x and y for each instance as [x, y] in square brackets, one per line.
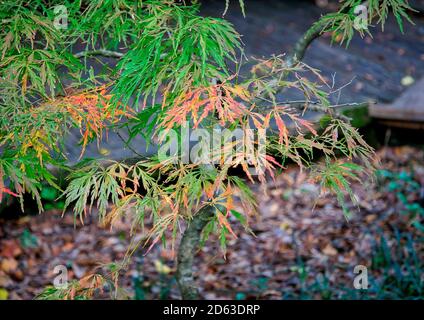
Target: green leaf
[239, 216]
[49, 193]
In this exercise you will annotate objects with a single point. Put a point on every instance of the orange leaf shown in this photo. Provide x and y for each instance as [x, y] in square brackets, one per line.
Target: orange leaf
[223, 221]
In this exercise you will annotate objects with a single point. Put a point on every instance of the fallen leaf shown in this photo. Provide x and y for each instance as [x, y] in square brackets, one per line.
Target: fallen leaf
[10, 249]
[329, 250]
[68, 246]
[162, 268]
[9, 265]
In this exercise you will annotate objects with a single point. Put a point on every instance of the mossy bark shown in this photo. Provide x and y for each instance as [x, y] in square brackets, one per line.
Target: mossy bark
[186, 251]
[304, 42]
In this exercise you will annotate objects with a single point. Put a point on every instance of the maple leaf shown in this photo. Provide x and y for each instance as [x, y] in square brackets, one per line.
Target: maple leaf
[91, 111]
[199, 103]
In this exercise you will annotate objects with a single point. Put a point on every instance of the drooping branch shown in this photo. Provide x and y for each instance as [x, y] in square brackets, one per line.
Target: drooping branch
[317, 107]
[186, 251]
[305, 41]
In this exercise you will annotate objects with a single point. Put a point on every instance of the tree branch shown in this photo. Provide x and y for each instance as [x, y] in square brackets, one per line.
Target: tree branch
[128, 145]
[315, 106]
[305, 41]
[100, 52]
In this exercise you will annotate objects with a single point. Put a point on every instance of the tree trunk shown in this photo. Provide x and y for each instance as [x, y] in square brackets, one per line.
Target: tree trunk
[186, 251]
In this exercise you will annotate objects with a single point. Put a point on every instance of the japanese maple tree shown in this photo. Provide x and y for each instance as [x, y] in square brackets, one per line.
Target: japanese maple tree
[175, 70]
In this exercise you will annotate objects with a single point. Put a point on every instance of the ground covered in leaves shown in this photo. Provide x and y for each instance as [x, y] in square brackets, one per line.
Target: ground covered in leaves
[302, 248]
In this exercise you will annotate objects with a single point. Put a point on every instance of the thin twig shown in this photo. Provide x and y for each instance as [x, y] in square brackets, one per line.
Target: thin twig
[100, 52]
[127, 144]
[315, 106]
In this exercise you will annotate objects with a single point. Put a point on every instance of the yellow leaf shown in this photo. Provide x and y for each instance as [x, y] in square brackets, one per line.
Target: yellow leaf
[285, 226]
[162, 268]
[104, 151]
[4, 294]
[240, 92]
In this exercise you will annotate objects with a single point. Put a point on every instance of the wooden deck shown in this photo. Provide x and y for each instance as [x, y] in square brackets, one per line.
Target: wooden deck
[408, 107]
